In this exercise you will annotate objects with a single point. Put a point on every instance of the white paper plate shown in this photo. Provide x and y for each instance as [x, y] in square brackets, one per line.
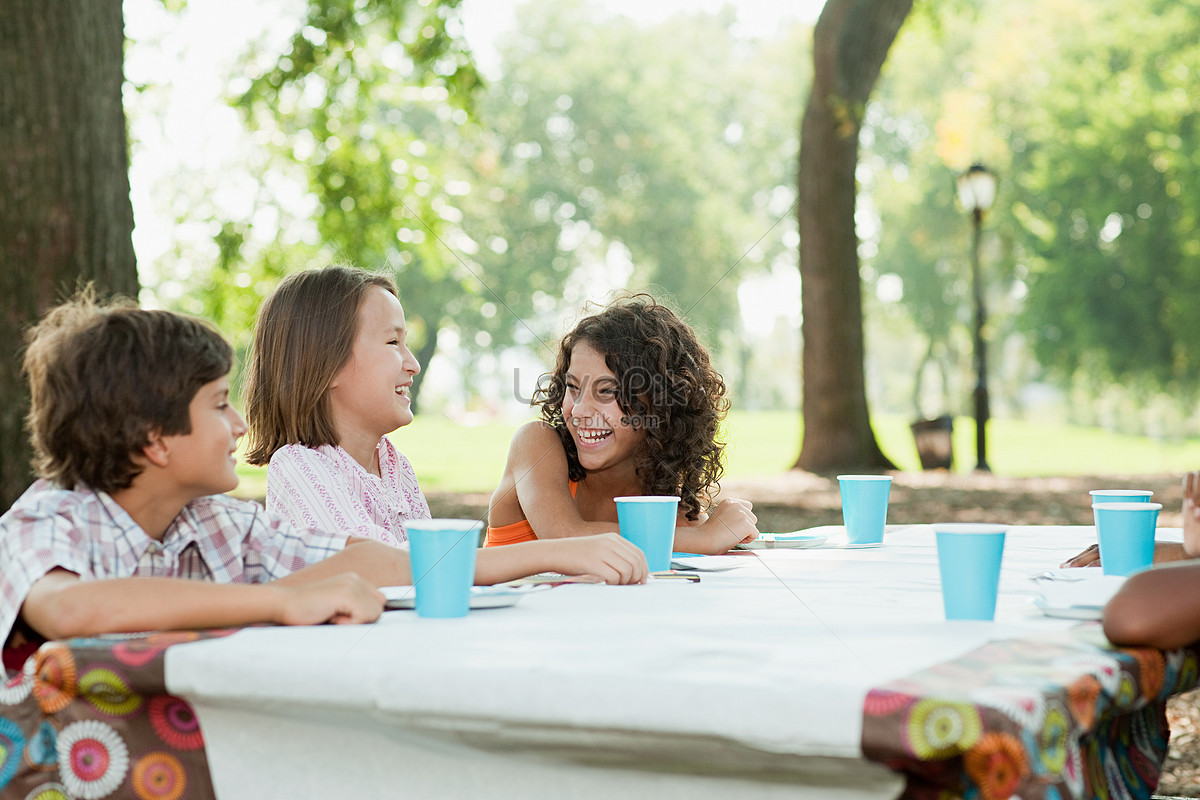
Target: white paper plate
[695, 563]
[1068, 612]
[400, 598]
[797, 540]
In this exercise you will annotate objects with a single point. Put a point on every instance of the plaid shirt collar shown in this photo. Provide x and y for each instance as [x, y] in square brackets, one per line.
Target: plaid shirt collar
[127, 544]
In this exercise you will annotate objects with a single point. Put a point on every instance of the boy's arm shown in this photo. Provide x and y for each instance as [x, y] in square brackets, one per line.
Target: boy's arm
[60, 605]
[1159, 608]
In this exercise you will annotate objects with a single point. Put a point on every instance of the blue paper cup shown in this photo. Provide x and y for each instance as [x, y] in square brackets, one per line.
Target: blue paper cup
[1126, 535]
[969, 557]
[864, 506]
[649, 522]
[1120, 495]
[443, 564]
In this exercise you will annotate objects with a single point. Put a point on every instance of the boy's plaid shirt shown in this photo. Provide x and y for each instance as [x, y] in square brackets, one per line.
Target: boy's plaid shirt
[215, 538]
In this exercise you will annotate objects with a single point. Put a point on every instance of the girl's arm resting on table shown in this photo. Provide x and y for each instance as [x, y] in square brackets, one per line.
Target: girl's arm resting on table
[537, 472]
[1164, 552]
[606, 556]
[731, 522]
[1191, 515]
[60, 605]
[378, 563]
[1156, 608]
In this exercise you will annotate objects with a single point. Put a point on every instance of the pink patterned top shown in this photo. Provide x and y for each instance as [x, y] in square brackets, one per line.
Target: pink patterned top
[325, 488]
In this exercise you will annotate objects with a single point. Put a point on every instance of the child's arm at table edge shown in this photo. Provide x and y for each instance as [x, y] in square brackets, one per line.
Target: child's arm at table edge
[537, 470]
[730, 522]
[60, 605]
[378, 563]
[606, 556]
[1156, 608]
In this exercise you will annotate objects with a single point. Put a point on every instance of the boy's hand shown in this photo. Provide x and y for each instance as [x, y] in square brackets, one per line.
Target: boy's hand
[342, 599]
[730, 523]
[606, 556]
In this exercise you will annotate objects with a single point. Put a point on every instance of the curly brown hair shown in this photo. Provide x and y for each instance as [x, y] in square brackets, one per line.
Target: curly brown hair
[666, 385]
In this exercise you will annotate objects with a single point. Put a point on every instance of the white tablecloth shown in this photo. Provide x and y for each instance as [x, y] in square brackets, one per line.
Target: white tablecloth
[749, 683]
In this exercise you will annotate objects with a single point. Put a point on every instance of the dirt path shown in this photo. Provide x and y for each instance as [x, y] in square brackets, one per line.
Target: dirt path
[798, 500]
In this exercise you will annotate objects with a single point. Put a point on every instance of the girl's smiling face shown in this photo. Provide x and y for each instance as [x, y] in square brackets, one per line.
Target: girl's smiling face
[600, 427]
[369, 396]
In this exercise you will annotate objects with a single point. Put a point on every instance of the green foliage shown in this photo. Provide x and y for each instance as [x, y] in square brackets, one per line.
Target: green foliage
[1086, 112]
[675, 144]
[497, 205]
[613, 132]
[367, 109]
[1108, 212]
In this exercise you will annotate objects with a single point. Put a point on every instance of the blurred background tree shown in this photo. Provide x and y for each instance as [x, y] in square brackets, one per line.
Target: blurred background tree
[850, 43]
[663, 155]
[606, 157]
[623, 153]
[65, 214]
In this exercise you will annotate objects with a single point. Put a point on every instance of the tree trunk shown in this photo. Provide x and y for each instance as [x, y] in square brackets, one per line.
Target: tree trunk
[850, 43]
[65, 214]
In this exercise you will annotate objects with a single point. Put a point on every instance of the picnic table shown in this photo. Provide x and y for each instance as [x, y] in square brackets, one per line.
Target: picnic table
[817, 673]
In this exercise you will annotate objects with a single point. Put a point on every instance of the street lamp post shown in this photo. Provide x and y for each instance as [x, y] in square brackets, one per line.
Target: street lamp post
[976, 192]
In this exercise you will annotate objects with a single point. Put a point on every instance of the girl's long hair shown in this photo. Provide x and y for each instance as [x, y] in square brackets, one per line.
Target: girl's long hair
[303, 336]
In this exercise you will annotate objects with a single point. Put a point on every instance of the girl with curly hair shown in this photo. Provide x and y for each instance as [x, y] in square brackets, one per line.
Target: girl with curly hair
[633, 407]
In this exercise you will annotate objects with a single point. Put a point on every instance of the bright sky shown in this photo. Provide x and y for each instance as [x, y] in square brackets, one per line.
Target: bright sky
[485, 18]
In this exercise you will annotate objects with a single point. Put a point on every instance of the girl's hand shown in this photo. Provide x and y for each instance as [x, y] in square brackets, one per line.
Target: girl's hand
[1163, 552]
[606, 556]
[1191, 515]
[730, 523]
[342, 599]
[1088, 558]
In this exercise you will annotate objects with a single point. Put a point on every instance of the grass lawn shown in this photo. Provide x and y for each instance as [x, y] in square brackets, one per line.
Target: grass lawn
[455, 458]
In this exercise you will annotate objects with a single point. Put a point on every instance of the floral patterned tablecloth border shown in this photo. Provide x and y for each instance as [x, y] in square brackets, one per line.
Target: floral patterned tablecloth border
[1042, 718]
[92, 718]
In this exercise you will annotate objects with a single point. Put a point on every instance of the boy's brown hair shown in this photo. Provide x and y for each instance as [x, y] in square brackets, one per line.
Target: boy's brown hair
[303, 336]
[104, 377]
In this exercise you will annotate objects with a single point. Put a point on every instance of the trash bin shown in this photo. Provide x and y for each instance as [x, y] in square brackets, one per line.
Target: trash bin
[935, 442]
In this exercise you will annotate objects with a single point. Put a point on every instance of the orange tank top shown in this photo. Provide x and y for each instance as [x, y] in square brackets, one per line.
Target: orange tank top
[520, 531]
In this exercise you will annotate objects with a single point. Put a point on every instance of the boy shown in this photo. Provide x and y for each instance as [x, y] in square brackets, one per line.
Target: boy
[134, 440]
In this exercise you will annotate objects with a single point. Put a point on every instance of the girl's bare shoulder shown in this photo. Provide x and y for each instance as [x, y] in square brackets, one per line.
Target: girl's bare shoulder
[537, 432]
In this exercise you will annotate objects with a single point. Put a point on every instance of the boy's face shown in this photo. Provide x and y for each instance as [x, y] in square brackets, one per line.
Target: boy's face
[203, 461]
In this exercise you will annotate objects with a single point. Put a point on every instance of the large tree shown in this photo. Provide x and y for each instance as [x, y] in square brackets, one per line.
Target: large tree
[65, 214]
[850, 43]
